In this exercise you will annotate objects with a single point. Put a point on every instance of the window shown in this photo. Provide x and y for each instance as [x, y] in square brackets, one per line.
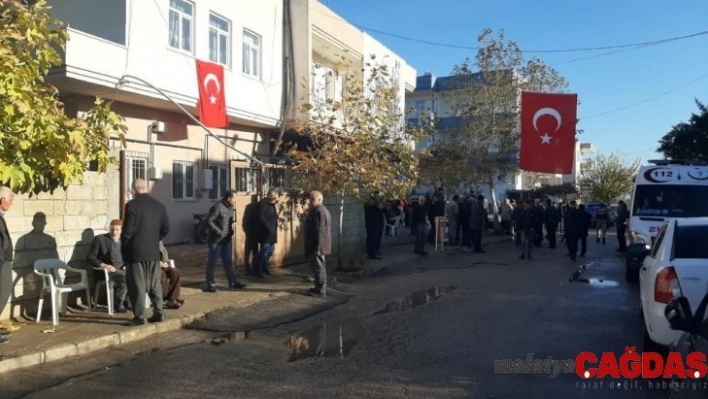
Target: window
[670, 200]
[181, 26]
[219, 40]
[184, 179]
[278, 178]
[326, 83]
[657, 244]
[689, 242]
[136, 168]
[251, 54]
[245, 179]
[220, 175]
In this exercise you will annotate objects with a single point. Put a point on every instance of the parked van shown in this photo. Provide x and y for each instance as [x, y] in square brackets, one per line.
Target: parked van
[663, 191]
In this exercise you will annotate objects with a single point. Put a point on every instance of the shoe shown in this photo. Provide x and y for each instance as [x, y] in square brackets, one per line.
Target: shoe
[597, 240]
[267, 272]
[374, 257]
[522, 257]
[318, 294]
[530, 258]
[313, 290]
[172, 305]
[157, 318]
[121, 309]
[211, 288]
[237, 286]
[603, 241]
[423, 253]
[137, 321]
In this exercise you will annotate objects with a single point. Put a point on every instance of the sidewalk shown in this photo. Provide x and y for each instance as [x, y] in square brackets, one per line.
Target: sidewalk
[82, 332]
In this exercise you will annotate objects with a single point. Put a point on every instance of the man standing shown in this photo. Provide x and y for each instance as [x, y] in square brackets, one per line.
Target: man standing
[374, 224]
[572, 223]
[418, 223]
[452, 213]
[601, 216]
[267, 233]
[318, 242]
[622, 216]
[526, 225]
[6, 250]
[145, 224]
[105, 254]
[221, 228]
[478, 221]
[551, 222]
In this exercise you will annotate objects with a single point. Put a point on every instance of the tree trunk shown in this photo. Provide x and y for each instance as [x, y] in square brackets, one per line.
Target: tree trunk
[340, 230]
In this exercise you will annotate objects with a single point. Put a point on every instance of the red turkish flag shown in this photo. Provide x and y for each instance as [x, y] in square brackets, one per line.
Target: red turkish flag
[548, 132]
[212, 101]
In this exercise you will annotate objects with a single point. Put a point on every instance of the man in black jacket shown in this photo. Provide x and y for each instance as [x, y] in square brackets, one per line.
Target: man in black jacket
[145, 224]
[267, 232]
[220, 223]
[551, 223]
[105, 254]
[374, 223]
[318, 242]
[6, 250]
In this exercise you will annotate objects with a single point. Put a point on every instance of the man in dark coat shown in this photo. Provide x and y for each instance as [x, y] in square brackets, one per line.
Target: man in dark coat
[572, 226]
[622, 216]
[105, 254]
[249, 223]
[266, 231]
[374, 223]
[465, 211]
[551, 223]
[6, 251]
[419, 224]
[145, 224]
[527, 223]
[318, 242]
[221, 228]
[478, 221]
[585, 220]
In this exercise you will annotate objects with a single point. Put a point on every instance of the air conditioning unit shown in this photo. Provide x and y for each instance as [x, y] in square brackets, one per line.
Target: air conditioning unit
[206, 179]
[154, 173]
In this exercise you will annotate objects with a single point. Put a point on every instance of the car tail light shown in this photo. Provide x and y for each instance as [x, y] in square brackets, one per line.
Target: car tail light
[667, 285]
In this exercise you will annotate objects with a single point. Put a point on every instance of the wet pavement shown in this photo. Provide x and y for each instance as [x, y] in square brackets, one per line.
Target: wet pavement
[442, 326]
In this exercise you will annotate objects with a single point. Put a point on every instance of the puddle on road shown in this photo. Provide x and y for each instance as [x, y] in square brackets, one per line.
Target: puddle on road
[415, 299]
[331, 338]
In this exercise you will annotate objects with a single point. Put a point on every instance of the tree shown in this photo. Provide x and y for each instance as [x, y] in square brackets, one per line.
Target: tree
[485, 94]
[360, 145]
[688, 140]
[41, 148]
[608, 178]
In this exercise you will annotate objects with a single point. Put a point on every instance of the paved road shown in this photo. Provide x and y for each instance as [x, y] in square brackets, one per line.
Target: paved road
[428, 329]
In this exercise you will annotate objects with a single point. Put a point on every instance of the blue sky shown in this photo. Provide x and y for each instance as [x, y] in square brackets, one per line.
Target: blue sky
[603, 83]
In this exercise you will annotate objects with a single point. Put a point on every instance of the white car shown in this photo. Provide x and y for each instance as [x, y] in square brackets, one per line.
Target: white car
[677, 265]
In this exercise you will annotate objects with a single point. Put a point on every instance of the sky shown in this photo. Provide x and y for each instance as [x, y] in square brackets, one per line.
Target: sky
[628, 99]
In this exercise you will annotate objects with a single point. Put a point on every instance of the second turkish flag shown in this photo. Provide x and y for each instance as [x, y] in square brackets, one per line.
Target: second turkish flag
[212, 101]
[548, 132]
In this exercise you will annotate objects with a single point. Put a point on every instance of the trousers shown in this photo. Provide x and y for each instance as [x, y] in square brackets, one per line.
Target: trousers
[144, 277]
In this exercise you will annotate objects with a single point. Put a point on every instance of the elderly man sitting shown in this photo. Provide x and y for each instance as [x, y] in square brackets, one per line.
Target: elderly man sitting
[105, 254]
[170, 281]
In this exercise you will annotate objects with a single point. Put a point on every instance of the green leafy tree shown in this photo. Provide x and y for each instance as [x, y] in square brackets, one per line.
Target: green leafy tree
[485, 93]
[360, 145]
[41, 148]
[688, 140]
[607, 178]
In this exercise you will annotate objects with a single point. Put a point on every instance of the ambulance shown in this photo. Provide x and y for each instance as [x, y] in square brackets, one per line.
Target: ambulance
[663, 191]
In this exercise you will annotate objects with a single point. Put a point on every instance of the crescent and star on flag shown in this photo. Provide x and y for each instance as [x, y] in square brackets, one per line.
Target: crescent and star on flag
[209, 78]
[546, 139]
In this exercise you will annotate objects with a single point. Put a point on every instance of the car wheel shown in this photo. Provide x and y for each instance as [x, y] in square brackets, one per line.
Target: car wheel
[630, 275]
[202, 233]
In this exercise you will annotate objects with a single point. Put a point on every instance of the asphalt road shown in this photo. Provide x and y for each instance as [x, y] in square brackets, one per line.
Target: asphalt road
[432, 328]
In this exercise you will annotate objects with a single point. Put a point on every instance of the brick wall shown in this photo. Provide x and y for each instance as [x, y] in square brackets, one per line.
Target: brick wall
[353, 228]
[60, 224]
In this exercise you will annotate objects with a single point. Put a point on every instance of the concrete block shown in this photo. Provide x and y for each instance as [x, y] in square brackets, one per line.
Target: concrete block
[60, 352]
[97, 344]
[100, 192]
[15, 363]
[79, 192]
[73, 207]
[76, 222]
[99, 224]
[33, 206]
[58, 194]
[92, 179]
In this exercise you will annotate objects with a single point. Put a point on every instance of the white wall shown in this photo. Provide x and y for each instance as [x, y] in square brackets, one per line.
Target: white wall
[147, 53]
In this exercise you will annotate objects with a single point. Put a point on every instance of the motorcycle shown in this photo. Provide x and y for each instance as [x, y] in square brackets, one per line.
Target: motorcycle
[201, 230]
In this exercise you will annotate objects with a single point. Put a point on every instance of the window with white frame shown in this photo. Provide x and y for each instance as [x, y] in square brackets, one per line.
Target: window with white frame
[326, 83]
[251, 54]
[219, 40]
[136, 168]
[182, 25]
[245, 179]
[220, 174]
[184, 180]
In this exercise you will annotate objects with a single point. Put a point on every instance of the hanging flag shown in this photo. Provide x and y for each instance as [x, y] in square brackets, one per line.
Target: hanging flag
[212, 101]
[548, 132]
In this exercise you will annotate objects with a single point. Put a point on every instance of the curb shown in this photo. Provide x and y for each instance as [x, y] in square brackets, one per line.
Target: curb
[114, 339]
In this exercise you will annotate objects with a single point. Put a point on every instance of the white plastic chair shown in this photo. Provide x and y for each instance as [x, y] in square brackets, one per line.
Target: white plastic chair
[48, 269]
[393, 226]
[108, 283]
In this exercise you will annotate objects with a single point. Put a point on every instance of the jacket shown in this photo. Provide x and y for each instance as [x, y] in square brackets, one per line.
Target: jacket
[220, 223]
[478, 217]
[101, 252]
[267, 226]
[318, 231]
[145, 224]
[6, 249]
[551, 218]
[452, 210]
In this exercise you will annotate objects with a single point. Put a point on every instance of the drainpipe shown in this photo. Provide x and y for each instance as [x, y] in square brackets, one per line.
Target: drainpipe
[288, 73]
